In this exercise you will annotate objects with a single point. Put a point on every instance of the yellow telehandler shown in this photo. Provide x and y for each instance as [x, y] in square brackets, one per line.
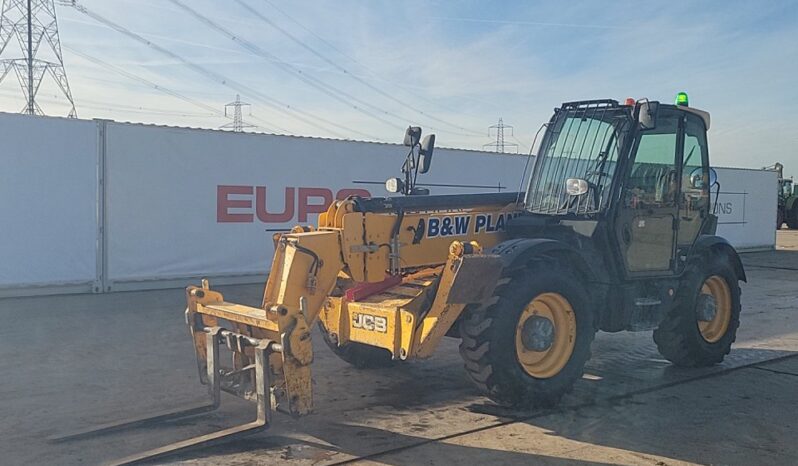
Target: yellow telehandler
[614, 232]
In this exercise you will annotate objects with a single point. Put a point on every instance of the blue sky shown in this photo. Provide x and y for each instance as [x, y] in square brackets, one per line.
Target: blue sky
[452, 67]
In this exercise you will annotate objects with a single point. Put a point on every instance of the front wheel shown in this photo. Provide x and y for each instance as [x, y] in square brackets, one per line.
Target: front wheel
[701, 327]
[531, 345]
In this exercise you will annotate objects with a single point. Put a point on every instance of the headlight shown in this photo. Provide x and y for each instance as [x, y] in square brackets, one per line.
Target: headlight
[394, 185]
[575, 186]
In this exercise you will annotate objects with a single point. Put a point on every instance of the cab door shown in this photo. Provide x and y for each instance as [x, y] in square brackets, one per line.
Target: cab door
[648, 213]
[694, 199]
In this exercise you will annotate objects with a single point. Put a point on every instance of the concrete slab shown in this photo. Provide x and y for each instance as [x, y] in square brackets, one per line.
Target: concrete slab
[788, 366]
[787, 240]
[727, 419]
[787, 259]
[73, 361]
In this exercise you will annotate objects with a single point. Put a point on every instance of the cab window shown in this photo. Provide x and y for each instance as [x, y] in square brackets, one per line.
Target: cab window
[652, 181]
[694, 199]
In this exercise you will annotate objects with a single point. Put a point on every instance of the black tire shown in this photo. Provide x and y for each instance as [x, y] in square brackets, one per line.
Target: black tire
[678, 337]
[358, 354]
[779, 218]
[792, 218]
[488, 334]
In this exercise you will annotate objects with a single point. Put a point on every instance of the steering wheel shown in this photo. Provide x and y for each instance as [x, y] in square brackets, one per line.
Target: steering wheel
[598, 172]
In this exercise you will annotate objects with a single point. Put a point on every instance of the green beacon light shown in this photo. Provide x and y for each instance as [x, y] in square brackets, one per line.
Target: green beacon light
[681, 99]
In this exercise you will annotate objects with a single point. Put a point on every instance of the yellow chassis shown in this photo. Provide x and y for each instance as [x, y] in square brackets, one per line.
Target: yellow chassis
[424, 269]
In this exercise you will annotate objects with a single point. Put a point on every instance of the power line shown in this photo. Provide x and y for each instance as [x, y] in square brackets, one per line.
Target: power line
[282, 107]
[520, 144]
[500, 144]
[32, 22]
[102, 105]
[342, 69]
[158, 87]
[363, 66]
[337, 94]
[237, 124]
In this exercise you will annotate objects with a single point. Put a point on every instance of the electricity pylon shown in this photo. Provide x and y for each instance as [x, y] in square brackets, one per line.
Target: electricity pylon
[32, 23]
[238, 124]
[499, 145]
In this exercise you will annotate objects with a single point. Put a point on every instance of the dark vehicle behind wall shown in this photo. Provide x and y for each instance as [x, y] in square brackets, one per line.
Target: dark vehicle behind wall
[787, 199]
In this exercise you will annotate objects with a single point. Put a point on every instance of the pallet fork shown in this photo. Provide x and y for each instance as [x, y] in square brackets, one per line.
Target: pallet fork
[217, 381]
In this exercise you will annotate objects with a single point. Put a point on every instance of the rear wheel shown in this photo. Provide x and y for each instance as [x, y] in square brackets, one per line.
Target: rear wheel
[360, 355]
[531, 345]
[779, 218]
[702, 326]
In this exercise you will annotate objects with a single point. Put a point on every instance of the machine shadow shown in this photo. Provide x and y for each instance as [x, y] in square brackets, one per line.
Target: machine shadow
[704, 416]
[646, 420]
[356, 442]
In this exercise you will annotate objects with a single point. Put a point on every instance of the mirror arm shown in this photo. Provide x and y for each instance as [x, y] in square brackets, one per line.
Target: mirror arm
[407, 171]
[412, 165]
[417, 158]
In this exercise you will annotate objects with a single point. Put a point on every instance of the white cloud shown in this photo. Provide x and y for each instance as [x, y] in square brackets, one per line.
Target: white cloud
[456, 62]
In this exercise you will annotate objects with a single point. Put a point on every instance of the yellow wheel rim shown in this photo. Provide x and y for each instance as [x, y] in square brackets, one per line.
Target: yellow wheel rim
[545, 335]
[714, 309]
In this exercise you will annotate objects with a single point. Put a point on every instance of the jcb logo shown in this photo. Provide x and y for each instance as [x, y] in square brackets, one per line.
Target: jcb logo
[370, 322]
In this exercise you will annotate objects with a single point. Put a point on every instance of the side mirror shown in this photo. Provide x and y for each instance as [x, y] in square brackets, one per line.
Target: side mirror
[412, 136]
[697, 178]
[425, 154]
[647, 114]
[713, 177]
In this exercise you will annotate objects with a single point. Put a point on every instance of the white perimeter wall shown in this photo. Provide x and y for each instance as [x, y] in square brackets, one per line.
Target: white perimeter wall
[48, 204]
[746, 207]
[95, 205]
[183, 202]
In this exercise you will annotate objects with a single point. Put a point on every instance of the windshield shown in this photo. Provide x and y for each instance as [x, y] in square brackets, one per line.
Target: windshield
[582, 141]
[787, 188]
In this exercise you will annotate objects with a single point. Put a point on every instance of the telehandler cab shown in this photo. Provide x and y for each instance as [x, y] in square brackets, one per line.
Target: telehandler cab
[614, 232]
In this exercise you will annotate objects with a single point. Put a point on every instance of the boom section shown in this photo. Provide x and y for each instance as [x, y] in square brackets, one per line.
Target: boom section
[361, 248]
